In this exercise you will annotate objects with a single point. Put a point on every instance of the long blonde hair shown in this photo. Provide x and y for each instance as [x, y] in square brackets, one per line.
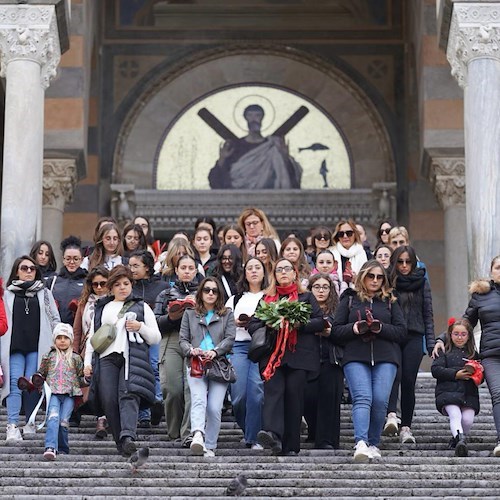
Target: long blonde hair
[385, 292]
[268, 230]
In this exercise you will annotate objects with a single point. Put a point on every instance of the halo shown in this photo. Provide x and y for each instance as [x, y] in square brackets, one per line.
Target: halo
[264, 102]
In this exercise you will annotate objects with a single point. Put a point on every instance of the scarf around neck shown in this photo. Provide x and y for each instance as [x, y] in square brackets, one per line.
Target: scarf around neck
[28, 288]
[287, 337]
[413, 281]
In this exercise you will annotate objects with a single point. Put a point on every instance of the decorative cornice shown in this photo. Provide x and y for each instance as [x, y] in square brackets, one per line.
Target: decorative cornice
[448, 181]
[29, 32]
[59, 181]
[474, 33]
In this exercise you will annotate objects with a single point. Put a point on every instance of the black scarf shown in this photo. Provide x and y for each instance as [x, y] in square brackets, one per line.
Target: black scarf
[413, 281]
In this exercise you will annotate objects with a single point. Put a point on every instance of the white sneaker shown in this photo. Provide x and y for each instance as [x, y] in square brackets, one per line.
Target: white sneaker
[209, 453]
[375, 452]
[13, 433]
[391, 425]
[361, 452]
[496, 451]
[406, 435]
[197, 444]
[257, 446]
[29, 430]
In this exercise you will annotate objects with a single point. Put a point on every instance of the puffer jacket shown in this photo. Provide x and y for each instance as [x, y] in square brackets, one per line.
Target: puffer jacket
[179, 291]
[449, 390]
[221, 328]
[148, 289]
[376, 348]
[66, 288]
[484, 306]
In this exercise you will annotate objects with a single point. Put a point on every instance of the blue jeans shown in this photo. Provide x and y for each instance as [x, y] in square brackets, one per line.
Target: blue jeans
[58, 413]
[207, 398]
[370, 387]
[247, 393]
[21, 365]
[154, 357]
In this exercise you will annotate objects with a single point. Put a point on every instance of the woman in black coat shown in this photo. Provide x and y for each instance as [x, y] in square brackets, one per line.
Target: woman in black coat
[370, 325]
[285, 380]
[414, 294]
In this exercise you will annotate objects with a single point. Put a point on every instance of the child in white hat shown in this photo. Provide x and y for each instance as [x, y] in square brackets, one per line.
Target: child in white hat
[62, 370]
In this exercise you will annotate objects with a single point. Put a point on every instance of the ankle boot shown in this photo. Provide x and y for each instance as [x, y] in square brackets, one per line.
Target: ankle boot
[461, 449]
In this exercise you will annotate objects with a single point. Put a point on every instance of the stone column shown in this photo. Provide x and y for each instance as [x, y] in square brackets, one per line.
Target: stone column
[473, 51]
[59, 181]
[29, 55]
[448, 180]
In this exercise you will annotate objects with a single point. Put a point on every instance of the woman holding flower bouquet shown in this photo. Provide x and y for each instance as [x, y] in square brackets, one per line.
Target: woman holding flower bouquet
[293, 317]
[369, 323]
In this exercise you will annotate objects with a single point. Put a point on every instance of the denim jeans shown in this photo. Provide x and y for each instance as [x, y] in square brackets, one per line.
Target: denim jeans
[370, 387]
[154, 355]
[207, 398]
[58, 413]
[247, 393]
[21, 365]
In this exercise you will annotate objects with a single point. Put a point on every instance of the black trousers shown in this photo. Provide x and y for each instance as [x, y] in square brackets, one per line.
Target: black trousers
[283, 406]
[120, 407]
[322, 400]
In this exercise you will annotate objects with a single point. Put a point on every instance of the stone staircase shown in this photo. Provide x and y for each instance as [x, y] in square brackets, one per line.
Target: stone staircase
[425, 470]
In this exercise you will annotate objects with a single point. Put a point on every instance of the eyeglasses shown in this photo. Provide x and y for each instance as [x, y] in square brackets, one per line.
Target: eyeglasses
[322, 237]
[72, 259]
[341, 234]
[207, 289]
[404, 261]
[372, 276]
[321, 288]
[27, 269]
[253, 223]
[386, 230]
[99, 284]
[226, 259]
[459, 334]
[284, 269]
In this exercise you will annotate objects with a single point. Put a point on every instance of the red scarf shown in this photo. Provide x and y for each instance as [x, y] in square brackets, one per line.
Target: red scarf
[286, 338]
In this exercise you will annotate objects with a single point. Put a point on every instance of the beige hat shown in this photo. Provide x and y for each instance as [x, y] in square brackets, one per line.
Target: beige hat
[63, 329]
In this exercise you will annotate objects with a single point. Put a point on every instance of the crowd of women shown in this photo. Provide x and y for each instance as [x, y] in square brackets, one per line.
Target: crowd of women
[167, 331]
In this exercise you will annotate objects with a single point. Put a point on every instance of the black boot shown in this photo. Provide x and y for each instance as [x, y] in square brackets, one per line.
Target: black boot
[461, 449]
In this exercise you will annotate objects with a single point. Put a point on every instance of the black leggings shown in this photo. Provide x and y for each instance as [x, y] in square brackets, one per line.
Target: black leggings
[411, 357]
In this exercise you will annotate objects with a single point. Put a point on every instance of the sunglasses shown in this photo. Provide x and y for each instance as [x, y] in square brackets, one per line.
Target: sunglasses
[207, 289]
[341, 234]
[372, 276]
[27, 269]
[99, 284]
[322, 237]
[385, 231]
[404, 261]
[226, 259]
[284, 269]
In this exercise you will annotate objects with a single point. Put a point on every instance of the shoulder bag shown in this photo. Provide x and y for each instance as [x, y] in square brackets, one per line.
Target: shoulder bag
[106, 334]
[220, 369]
[261, 345]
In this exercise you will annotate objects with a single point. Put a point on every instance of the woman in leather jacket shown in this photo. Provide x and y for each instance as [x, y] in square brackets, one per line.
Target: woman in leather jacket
[169, 309]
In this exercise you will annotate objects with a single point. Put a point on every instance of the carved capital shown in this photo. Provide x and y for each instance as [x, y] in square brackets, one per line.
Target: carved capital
[59, 181]
[474, 33]
[29, 32]
[448, 181]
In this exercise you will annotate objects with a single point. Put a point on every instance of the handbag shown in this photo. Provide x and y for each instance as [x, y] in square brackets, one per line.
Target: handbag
[106, 334]
[197, 367]
[261, 345]
[220, 369]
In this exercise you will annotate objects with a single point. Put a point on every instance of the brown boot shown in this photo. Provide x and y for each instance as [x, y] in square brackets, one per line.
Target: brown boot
[101, 427]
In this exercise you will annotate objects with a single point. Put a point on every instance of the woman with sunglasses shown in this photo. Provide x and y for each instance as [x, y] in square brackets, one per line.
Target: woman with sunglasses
[383, 231]
[247, 393]
[348, 250]
[228, 269]
[414, 295]
[31, 315]
[67, 285]
[256, 226]
[321, 239]
[43, 253]
[323, 394]
[286, 370]
[369, 323]
[208, 331]
[94, 288]
[169, 310]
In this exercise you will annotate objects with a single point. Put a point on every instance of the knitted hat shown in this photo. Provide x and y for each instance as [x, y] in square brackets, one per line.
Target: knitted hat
[62, 329]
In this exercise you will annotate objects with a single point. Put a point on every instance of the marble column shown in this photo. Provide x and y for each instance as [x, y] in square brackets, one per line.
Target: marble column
[448, 180]
[59, 181]
[29, 55]
[473, 51]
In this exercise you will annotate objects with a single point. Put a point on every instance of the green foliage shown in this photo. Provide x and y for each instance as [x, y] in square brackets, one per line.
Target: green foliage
[273, 313]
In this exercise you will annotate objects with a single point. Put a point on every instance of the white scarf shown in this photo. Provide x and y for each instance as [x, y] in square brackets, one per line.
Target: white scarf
[356, 255]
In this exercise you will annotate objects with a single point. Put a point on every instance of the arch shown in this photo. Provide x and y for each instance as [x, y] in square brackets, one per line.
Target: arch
[172, 89]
